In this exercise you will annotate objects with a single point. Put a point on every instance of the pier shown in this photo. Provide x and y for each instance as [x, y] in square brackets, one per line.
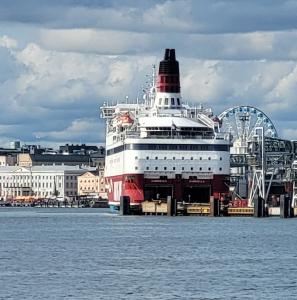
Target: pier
[214, 208]
[50, 203]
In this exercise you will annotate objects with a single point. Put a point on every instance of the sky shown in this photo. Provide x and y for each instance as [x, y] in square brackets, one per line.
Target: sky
[61, 59]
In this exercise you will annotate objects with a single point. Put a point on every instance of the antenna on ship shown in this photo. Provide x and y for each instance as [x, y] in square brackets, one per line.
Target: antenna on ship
[152, 92]
[154, 75]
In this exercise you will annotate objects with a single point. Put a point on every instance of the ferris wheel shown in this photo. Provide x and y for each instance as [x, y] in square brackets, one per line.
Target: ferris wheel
[241, 121]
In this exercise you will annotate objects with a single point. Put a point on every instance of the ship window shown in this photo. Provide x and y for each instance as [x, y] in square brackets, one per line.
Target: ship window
[165, 168]
[136, 157]
[183, 168]
[156, 157]
[147, 168]
[147, 157]
[165, 157]
[183, 158]
[220, 158]
[200, 169]
[136, 168]
[173, 168]
[209, 158]
[166, 101]
[178, 102]
[220, 169]
[173, 158]
[191, 158]
[191, 168]
[172, 101]
[209, 169]
[156, 168]
[200, 158]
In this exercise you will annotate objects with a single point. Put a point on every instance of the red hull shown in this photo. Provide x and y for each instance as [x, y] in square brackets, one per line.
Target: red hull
[139, 188]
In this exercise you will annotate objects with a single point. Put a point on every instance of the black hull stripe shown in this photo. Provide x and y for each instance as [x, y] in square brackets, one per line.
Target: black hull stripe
[166, 147]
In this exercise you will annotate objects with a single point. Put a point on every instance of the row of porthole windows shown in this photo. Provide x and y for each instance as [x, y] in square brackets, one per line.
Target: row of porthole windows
[173, 168]
[192, 158]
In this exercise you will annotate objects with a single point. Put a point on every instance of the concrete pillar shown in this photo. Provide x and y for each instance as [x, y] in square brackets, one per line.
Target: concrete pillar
[125, 205]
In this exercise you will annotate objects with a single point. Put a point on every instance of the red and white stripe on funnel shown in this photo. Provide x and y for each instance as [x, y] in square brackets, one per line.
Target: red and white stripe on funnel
[168, 84]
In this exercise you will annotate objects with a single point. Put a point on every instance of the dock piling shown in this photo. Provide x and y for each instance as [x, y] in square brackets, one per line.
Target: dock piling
[259, 207]
[286, 210]
[214, 207]
[171, 206]
[125, 205]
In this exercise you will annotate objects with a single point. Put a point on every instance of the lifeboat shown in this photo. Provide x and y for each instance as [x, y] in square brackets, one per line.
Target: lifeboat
[125, 119]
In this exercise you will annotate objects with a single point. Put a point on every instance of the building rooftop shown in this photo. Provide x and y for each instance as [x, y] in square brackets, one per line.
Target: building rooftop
[60, 158]
[51, 168]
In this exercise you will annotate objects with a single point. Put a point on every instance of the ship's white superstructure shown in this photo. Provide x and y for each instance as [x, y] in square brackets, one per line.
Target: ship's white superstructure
[163, 147]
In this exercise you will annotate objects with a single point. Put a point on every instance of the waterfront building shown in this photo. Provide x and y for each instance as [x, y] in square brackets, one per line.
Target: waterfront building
[29, 160]
[79, 149]
[98, 158]
[91, 183]
[8, 160]
[15, 145]
[40, 181]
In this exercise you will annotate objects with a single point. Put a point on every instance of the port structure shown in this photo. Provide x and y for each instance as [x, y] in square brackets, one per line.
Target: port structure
[241, 123]
[294, 183]
[270, 162]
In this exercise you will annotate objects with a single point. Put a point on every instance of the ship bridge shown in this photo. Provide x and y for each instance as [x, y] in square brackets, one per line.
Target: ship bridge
[172, 126]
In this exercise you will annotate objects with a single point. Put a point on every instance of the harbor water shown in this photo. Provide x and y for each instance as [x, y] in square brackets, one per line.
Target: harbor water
[91, 254]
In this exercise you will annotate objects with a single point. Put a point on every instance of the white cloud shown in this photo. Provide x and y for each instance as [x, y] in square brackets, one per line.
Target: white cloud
[171, 15]
[230, 52]
[7, 42]
[236, 46]
[89, 129]
[95, 41]
[59, 93]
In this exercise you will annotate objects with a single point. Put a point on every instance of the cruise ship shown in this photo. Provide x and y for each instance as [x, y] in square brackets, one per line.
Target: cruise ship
[163, 147]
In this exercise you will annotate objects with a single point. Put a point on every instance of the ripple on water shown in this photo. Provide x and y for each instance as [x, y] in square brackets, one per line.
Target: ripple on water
[91, 254]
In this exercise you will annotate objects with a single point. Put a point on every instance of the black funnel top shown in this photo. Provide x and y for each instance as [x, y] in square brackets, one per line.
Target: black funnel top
[169, 65]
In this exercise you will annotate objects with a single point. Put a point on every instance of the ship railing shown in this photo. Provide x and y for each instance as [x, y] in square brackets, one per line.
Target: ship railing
[180, 137]
[132, 135]
[217, 136]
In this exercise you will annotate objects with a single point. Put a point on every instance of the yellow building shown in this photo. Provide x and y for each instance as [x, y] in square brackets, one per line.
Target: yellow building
[91, 183]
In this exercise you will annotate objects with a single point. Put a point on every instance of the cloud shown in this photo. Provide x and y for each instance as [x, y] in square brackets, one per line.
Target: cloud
[7, 42]
[244, 46]
[61, 59]
[195, 16]
[57, 94]
[100, 41]
[290, 133]
[50, 91]
[87, 128]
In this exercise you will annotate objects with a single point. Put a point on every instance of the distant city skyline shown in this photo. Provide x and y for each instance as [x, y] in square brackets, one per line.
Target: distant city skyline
[60, 60]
